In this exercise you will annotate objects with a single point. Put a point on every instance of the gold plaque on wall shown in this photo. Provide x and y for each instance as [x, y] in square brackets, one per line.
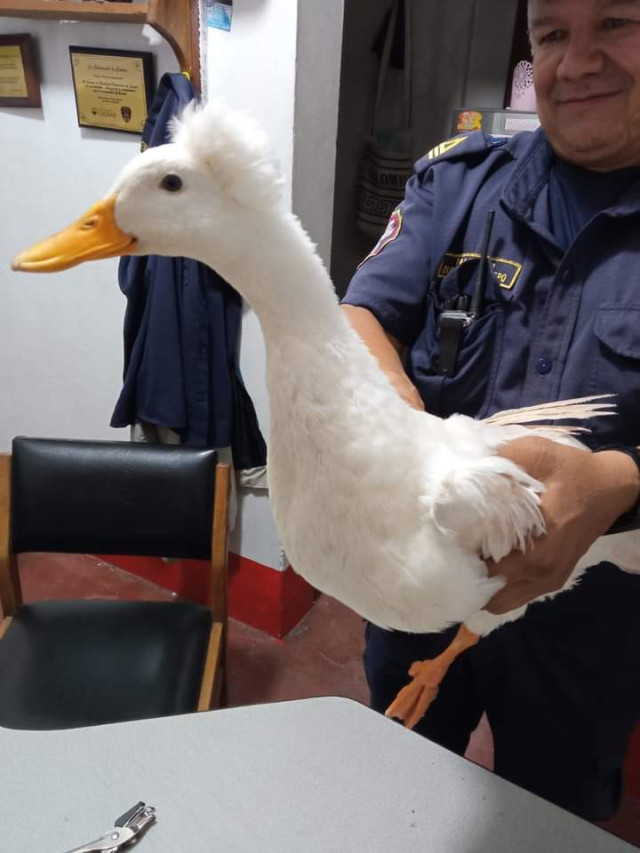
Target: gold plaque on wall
[19, 84]
[113, 88]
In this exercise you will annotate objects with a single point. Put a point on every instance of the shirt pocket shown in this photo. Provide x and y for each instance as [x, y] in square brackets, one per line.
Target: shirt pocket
[470, 389]
[615, 369]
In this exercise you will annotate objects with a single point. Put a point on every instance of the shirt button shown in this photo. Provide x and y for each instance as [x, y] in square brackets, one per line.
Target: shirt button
[543, 366]
[567, 275]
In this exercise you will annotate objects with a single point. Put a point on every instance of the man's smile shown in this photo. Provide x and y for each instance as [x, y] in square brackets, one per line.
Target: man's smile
[587, 99]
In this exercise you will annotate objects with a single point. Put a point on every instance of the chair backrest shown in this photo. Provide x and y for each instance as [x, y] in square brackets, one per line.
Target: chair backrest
[118, 498]
[111, 498]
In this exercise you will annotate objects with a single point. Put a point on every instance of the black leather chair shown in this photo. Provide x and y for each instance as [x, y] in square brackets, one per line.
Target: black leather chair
[77, 663]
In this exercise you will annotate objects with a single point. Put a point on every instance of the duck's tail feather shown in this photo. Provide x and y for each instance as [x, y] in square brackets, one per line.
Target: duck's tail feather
[581, 408]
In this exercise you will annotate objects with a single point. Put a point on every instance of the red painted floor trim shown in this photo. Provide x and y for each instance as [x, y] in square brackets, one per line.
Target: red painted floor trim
[259, 596]
[267, 599]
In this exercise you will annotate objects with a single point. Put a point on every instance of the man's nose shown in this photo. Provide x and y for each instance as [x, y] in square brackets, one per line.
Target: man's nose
[581, 58]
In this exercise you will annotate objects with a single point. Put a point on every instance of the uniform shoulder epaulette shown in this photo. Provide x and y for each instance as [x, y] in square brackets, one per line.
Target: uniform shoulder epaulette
[460, 147]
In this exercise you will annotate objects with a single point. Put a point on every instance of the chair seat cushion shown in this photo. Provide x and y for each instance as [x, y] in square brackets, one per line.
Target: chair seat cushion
[65, 664]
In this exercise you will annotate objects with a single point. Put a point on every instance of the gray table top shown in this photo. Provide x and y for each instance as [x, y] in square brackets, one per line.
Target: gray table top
[313, 776]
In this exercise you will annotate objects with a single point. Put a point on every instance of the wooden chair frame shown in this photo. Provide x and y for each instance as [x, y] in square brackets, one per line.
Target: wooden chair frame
[212, 682]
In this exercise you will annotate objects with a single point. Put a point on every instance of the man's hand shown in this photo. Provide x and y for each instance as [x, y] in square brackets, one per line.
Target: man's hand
[585, 493]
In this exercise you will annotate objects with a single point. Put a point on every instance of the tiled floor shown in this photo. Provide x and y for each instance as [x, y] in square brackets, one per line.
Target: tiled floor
[320, 657]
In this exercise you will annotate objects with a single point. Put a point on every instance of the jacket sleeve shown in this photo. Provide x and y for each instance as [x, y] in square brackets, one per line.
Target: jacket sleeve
[393, 280]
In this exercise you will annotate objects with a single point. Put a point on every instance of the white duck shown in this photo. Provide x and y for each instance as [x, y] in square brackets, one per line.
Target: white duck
[388, 509]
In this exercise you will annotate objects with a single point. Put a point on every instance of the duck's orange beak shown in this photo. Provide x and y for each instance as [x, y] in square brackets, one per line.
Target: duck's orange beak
[95, 235]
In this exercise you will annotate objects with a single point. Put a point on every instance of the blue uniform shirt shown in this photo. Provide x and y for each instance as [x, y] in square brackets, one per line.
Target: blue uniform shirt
[559, 321]
[576, 195]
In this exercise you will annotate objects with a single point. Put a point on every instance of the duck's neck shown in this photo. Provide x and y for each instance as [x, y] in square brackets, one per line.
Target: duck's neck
[284, 280]
[314, 357]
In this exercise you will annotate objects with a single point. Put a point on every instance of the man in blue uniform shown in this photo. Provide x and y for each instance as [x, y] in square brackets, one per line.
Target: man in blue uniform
[559, 318]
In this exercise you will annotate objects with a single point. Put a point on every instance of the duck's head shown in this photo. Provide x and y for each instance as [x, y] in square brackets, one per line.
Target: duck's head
[198, 196]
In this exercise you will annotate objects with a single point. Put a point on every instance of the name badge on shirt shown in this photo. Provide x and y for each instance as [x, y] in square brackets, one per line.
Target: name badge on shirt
[506, 272]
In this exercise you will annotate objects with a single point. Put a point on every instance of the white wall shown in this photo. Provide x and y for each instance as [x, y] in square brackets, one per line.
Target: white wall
[61, 335]
[253, 67]
[281, 62]
[316, 117]
[61, 341]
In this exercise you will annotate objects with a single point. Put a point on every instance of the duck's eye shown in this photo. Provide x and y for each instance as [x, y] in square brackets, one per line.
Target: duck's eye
[171, 183]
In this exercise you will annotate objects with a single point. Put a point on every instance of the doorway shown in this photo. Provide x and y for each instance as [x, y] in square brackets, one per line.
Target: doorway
[462, 54]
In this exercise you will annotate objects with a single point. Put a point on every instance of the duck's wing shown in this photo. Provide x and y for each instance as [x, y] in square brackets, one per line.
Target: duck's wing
[490, 504]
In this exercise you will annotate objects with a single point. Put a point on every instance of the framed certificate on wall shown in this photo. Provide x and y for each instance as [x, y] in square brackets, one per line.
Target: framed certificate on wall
[19, 83]
[113, 88]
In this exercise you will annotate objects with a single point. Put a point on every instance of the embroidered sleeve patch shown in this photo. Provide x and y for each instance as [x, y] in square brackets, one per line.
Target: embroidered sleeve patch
[391, 232]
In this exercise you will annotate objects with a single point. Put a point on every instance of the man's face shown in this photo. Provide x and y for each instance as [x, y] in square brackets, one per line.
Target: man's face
[586, 67]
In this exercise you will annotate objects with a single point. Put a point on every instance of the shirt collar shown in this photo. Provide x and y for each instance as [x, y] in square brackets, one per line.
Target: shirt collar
[530, 175]
[534, 160]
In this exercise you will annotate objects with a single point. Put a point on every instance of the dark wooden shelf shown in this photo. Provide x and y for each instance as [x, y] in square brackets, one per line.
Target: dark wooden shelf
[87, 10]
[175, 20]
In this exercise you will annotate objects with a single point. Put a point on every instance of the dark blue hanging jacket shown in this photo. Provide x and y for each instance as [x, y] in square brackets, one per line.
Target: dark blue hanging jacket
[181, 333]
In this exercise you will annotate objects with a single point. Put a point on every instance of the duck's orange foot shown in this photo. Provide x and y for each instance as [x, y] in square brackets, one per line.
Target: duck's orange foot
[413, 701]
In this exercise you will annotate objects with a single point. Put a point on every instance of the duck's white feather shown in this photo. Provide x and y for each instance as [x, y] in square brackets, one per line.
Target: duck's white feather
[583, 407]
[387, 509]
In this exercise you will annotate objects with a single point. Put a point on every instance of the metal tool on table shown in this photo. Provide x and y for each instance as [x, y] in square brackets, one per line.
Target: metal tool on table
[126, 830]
